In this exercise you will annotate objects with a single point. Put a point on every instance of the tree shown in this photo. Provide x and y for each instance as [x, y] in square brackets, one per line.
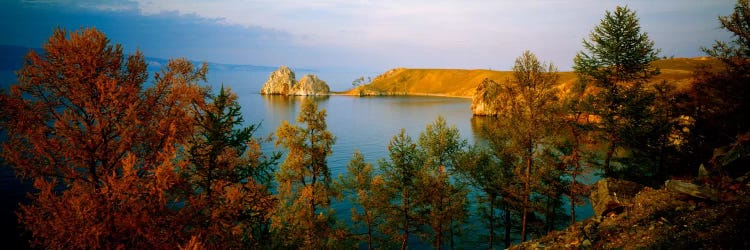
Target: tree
[493, 176]
[303, 215]
[717, 102]
[576, 130]
[399, 189]
[617, 60]
[228, 197]
[100, 149]
[526, 108]
[358, 81]
[445, 200]
[362, 185]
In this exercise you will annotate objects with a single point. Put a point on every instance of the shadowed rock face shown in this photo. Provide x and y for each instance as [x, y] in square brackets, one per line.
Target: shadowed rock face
[283, 82]
[484, 97]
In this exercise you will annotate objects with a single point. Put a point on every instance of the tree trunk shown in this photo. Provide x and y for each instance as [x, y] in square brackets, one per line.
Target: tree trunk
[492, 219]
[527, 193]
[507, 225]
[608, 158]
[572, 192]
[404, 207]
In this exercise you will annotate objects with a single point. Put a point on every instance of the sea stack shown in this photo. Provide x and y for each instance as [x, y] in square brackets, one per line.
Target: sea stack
[283, 82]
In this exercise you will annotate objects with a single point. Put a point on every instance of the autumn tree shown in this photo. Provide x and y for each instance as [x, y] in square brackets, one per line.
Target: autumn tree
[400, 188]
[526, 108]
[100, 148]
[445, 199]
[362, 187]
[617, 60]
[575, 140]
[228, 197]
[304, 216]
[718, 103]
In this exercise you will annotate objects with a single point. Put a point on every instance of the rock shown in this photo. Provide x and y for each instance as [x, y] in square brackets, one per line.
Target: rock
[484, 97]
[310, 85]
[692, 190]
[610, 195]
[280, 82]
[283, 82]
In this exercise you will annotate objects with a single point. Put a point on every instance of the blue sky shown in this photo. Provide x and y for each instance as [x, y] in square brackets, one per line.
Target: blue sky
[359, 34]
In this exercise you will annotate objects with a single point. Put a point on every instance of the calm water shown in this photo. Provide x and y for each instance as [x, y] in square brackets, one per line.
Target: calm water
[366, 124]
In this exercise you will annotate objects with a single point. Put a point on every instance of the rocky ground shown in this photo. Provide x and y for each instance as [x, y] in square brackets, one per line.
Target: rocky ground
[676, 216]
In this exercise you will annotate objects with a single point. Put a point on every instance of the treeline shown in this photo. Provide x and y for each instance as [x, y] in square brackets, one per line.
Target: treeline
[117, 163]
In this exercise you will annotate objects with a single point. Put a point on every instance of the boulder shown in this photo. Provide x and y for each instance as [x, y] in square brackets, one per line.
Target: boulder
[280, 82]
[611, 195]
[482, 103]
[310, 85]
[692, 190]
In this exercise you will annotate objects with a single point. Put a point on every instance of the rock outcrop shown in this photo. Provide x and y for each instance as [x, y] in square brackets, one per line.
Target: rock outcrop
[283, 82]
[484, 97]
[310, 85]
[610, 195]
[280, 82]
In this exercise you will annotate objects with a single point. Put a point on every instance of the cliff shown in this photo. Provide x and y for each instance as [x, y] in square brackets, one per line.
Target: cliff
[280, 82]
[310, 85]
[482, 102]
[283, 82]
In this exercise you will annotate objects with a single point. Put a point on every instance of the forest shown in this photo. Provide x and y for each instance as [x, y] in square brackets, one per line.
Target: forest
[119, 162]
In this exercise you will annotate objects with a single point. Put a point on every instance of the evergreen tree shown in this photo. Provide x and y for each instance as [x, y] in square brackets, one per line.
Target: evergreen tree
[445, 199]
[400, 188]
[303, 217]
[718, 105]
[617, 61]
[229, 203]
[526, 108]
[362, 186]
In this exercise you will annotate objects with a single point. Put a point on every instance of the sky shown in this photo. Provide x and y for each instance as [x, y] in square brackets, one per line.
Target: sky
[360, 34]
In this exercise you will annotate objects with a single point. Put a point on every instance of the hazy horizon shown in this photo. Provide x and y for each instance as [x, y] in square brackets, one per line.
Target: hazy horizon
[361, 35]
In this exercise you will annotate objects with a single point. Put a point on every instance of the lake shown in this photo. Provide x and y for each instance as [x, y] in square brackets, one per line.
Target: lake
[366, 124]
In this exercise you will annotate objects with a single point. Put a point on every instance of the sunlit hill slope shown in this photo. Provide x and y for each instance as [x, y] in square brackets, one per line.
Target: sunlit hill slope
[462, 83]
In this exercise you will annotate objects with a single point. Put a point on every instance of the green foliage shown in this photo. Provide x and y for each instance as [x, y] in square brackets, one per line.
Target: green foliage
[400, 189]
[445, 201]
[226, 161]
[526, 123]
[362, 187]
[303, 217]
[617, 62]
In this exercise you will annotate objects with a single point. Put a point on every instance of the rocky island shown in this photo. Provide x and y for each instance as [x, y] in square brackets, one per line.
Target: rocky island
[283, 82]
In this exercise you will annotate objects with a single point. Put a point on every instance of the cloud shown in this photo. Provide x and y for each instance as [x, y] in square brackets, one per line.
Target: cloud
[388, 33]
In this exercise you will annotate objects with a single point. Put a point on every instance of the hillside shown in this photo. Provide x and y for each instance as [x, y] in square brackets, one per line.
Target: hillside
[462, 83]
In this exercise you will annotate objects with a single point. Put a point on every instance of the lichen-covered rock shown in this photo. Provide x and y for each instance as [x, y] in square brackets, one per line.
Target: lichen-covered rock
[610, 195]
[280, 82]
[484, 98]
[310, 85]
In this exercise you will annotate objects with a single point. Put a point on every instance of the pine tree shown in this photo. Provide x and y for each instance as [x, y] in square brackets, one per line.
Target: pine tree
[228, 201]
[361, 184]
[303, 217]
[617, 61]
[526, 108]
[445, 199]
[400, 188]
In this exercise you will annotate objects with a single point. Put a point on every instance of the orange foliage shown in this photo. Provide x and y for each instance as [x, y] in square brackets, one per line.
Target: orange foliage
[100, 149]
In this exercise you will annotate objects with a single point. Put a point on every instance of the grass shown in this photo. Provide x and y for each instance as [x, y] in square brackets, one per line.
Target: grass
[463, 82]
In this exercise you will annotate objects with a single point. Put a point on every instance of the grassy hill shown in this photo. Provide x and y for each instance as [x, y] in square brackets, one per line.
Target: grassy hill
[462, 83]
